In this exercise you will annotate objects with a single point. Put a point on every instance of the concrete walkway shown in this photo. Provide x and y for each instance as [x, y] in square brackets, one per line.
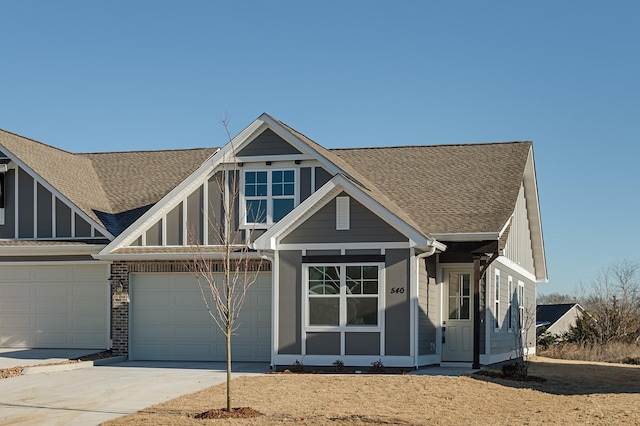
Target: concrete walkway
[93, 395]
[17, 357]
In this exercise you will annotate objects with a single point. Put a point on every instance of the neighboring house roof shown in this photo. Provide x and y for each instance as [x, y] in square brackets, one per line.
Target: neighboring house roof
[112, 188]
[552, 313]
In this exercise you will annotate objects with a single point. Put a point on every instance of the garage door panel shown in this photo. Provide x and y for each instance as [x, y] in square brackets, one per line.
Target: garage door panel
[189, 333]
[52, 274]
[44, 339]
[15, 306]
[19, 290]
[46, 306]
[191, 283]
[15, 321]
[15, 275]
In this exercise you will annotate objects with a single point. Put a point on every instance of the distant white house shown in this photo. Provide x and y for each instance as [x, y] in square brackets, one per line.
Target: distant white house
[558, 318]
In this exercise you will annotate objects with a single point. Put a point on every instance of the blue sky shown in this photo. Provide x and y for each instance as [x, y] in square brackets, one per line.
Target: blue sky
[136, 75]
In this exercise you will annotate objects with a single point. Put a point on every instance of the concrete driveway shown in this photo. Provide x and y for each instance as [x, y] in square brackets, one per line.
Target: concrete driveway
[93, 395]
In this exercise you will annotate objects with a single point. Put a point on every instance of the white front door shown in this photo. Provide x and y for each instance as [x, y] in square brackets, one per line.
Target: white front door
[457, 323]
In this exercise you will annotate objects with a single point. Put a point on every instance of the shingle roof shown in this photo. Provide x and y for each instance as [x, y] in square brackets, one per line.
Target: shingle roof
[113, 188]
[447, 188]
[552, 313]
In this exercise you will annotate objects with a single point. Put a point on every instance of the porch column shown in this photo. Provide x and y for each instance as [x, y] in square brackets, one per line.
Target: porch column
[476, 310]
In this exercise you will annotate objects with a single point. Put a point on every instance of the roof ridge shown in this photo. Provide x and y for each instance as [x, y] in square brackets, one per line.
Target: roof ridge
[143, 151]
[36, 141]
[430, 146]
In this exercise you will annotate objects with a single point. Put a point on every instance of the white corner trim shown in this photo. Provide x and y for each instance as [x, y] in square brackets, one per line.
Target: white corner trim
[516, 268]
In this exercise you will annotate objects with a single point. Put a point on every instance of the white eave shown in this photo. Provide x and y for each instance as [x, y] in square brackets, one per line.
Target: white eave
[471, 236]
[50, 250]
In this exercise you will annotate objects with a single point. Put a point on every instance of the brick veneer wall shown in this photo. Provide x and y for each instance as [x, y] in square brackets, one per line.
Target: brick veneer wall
[120, 273]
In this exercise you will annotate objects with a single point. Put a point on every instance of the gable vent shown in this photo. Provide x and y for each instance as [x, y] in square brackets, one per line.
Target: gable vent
[342, 214]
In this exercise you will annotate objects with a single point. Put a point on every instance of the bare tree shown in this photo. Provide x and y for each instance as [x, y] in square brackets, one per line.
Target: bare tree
[555, 298]
[225, 268]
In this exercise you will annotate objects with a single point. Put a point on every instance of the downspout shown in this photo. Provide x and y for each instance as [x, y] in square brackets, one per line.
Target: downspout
[416, 319]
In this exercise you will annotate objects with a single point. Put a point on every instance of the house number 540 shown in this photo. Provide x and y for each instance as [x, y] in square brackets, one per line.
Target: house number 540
[397, 290]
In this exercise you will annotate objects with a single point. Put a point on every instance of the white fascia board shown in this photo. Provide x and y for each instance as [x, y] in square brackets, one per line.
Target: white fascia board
[506, 225]
[171, 256]
[57, 193]
[534, 217]
[50, 250]
[471, 236]
[339, 183]
[168, 202]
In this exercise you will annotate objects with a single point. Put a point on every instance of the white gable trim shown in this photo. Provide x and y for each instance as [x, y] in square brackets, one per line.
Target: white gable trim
[339, 183]
[37, 178]
[535, 221]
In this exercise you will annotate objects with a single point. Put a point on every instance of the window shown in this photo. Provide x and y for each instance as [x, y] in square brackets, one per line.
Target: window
[268, 195]
[459, 296]
[509, 299]
[497, 301]
[521, 305]
[343, 295]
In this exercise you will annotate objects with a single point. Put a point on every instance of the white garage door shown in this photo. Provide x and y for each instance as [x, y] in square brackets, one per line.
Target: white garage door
[169, 321]
[54, 306]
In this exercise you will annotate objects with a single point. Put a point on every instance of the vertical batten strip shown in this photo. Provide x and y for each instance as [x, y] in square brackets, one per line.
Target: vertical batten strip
[35, 208]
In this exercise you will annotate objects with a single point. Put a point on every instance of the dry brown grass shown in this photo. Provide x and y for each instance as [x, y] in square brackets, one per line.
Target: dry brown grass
[574, 393]
[615, 352]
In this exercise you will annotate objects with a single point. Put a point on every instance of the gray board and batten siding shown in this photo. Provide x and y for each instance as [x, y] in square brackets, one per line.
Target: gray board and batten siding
[36, 211]
[267, 143]
[365, 227]
[428, 306]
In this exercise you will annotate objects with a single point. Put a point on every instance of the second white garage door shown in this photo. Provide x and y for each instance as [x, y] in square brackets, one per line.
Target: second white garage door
[169, 321]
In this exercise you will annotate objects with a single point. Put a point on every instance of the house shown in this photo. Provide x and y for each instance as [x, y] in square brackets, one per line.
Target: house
[557, 319]
[412, 255]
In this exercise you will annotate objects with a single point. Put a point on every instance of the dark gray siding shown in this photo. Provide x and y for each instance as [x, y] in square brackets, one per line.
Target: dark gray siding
[45, 225]
[195, 217]
[174, 226]
[365, 227]
[428, 306]
[323, 344]
[305, 183]
[83, 228]
[362, 343]
[25, 195]
[154, 235]
[215, 208]
[397, 309]
[268, 143]
[290, 298]
[322, 177]
[8, 229]
[63, 219]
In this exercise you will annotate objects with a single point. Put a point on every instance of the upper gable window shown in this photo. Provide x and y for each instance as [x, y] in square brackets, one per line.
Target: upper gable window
[268, 195]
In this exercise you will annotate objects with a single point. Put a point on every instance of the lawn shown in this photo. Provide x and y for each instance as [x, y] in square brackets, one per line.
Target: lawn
[574, 393]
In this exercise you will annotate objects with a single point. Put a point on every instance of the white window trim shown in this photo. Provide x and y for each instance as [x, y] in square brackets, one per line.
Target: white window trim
[2, 216]
[342, 327]
[269, 197]
[496, 305]
[521, 305]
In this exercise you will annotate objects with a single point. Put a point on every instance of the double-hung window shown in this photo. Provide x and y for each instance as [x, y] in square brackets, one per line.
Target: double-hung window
[521, 312]
[268, 195]
[343, 296]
